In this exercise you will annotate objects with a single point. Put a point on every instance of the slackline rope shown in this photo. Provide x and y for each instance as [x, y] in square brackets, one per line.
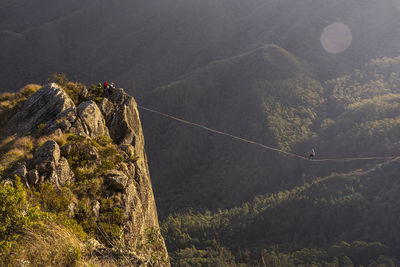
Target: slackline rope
[262, 145]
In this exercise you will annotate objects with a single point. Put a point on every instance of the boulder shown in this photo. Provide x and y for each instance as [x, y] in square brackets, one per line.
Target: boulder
[40, 110]
[48, 152]
[92, 119]
[116, 180]
[122, 118]
[78, 128]
[128, 151]
[64, 172]
[50, 166]
[84, 93]
[63, 121]
[21, 172]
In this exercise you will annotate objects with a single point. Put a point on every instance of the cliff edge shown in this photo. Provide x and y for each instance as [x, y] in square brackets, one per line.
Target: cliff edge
[88, 145]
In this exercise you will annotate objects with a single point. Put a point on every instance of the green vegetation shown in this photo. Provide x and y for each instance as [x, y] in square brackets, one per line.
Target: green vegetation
[76, 90]
[29, 234]
[90, 159]
[363, 110]
[320, 222]
[42, 214]
[289, 123]
[152, 243]
[334, 214]
[73, 89]
[13, 151]
[77, 224]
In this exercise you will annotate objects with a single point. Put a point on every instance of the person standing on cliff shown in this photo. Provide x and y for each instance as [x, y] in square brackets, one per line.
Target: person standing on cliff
[99, 89]
[105, 85]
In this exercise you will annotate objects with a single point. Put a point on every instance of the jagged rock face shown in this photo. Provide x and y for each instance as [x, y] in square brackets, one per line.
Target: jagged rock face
[49, 151]
[44, 107]
[92, 120]
[51, 166]
[116, 117]
[121, 116]
[122, 119]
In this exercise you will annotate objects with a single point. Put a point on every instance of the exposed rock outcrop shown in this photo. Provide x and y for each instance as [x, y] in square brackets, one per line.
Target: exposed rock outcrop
[50, 165]
[92, 119]
[122, 119]
[51, 111]
[44, 108]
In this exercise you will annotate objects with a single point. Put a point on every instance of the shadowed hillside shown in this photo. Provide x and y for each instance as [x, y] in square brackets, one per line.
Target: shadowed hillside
[339, 220]
[340, 213]
[264, 95]
[142, 44]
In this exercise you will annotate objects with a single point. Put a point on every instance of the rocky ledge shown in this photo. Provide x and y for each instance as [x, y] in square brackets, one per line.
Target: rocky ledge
[51, 112]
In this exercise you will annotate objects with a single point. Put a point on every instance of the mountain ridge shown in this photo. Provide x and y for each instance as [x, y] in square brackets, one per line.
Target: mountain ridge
[152, 44]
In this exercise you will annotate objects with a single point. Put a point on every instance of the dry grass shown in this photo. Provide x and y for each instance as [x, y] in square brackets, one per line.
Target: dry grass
[13, 150]
[7, 143]
[11, 102]
[61, 139]
[32, 87]
[55, 245]
[5, 96]
[24, 143]
[9, 160]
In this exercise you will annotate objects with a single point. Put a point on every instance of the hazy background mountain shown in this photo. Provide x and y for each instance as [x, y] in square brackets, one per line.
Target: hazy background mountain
[143, 45]
[255, 69]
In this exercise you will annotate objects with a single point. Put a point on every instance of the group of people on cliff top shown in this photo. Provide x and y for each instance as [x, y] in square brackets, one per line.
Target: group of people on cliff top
[107, 85]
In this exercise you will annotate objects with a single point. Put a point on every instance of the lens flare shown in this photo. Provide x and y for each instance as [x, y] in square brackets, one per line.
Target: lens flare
[336, 37]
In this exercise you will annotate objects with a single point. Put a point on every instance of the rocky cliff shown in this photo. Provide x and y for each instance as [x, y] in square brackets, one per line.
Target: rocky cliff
[91, 144]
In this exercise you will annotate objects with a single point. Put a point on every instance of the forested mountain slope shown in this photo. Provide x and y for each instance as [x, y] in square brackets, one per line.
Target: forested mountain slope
[339, 213]
[265, 95]
[339, 220]
[352, 116]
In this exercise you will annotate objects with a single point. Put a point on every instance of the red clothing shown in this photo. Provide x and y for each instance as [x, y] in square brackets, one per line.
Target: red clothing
[105, 85]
